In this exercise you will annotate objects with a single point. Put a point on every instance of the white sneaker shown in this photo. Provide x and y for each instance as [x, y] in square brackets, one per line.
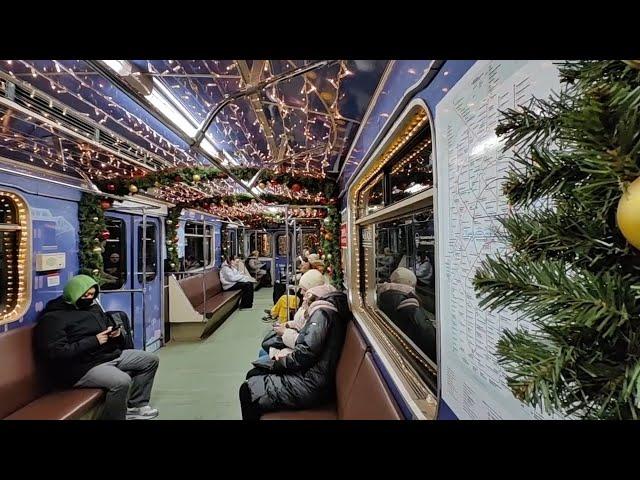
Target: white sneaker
[142, 413]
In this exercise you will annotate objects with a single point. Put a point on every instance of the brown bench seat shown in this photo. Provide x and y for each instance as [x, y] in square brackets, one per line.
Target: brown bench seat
[24, 394]
[187, 304]
[361, 393]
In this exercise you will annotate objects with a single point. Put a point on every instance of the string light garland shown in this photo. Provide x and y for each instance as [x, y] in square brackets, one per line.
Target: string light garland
[93, 235]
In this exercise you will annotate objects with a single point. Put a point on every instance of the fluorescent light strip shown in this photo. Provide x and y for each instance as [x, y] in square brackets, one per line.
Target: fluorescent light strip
[167, 104]
[121, 67]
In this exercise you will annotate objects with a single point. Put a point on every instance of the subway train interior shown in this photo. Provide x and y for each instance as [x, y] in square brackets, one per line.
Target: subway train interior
[319, 239]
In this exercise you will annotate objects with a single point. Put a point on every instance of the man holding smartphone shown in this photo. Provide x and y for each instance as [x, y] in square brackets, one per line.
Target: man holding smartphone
[82, 347]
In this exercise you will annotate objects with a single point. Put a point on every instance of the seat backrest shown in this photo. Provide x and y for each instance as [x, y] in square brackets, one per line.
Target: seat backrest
[192, 288]
[350, 361]
[20, 382]
[370, 398]
[212, 283]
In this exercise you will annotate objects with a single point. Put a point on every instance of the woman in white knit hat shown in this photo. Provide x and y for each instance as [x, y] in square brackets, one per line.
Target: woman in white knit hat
[398, 300]
[310, 280]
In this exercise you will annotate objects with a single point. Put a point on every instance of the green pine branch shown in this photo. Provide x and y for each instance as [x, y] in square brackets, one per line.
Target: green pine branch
[553, 293]
[567, 232]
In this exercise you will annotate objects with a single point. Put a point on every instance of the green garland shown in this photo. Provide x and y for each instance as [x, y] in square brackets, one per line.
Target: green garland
[171, 228]
[331, 246]
[91, 242]
[194, 175]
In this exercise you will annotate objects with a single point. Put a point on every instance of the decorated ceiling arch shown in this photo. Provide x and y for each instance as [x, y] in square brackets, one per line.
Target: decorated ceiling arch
[233, 138]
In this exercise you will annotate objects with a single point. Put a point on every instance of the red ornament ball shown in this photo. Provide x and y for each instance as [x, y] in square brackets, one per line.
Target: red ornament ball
[105, 235]
[105, 204]
[111, 187]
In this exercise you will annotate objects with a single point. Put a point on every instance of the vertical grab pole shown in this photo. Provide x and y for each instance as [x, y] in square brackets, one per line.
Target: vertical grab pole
[286, 234]
[294, 252]
[144, 278]
[204, 259]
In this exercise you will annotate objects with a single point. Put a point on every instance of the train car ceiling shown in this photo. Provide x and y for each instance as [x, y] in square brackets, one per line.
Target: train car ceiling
[230, 137]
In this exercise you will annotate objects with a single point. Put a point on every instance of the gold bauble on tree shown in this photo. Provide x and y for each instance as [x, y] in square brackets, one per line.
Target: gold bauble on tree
[133, 188]
[628, 214]
[196, 178]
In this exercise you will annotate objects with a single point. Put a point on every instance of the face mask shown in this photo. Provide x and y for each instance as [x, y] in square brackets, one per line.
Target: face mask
[84, 303]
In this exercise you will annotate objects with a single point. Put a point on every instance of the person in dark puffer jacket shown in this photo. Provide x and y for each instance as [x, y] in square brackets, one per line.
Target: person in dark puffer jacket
[304, 378]
[398, 300]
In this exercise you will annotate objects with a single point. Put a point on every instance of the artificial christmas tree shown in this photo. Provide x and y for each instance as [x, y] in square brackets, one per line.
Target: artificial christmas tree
[569, 270]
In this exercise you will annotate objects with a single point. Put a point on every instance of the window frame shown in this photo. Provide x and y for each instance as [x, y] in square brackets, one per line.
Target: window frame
[254, 234]
[154, 242]
[403, 360]
[212, 249]
[24, 252]
[123, 253]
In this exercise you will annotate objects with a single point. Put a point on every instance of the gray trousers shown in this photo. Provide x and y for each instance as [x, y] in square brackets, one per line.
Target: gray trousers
[128, 380]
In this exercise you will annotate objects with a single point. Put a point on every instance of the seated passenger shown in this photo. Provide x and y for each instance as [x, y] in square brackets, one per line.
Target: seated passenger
[191, 264]
[424, 269]
[274, 339]
[232, 279]
[241, 267]
[398, 300]
[287, 334]
[279, 311]
[257, 270]
[305, 377]
[82, 346]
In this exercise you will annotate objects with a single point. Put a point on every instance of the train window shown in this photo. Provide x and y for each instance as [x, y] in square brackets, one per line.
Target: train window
[229, 242]
[114, 256]
[310, 241]
[15, 269]
[394, 259]
[260, 241]
[404, 270]
[151, 253]
[198, 250]
[372, 197]
[412, 172]
[240, 243]
[282, 245]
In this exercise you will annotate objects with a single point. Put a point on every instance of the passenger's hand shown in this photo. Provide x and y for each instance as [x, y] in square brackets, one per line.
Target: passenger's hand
[115, 332]
[103, 336]
[279, 329]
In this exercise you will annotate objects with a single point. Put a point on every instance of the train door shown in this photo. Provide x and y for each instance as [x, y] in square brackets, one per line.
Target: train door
[132, 292]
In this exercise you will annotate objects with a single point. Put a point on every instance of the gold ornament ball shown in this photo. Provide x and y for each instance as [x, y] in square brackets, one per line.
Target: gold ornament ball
[169, 222]
[95, 272]
[172, 265]
[628, 214]
[97, 250]
[133, 188]
[196, 178]
[329, 256]
[95, 219]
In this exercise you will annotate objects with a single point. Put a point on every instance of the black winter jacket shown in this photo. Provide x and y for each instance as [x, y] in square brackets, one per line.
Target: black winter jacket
[306, 377]
[412, 320]
[66, 343]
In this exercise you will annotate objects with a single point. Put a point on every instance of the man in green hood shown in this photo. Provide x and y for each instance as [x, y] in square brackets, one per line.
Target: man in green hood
[83, 347]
